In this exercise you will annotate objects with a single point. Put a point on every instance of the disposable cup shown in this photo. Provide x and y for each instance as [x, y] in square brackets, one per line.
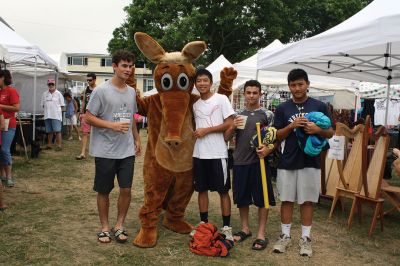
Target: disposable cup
[121, 119]
[126, 120]
[244, 119]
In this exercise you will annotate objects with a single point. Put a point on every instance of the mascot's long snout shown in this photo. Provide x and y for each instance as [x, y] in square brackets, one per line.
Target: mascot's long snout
[175, 105]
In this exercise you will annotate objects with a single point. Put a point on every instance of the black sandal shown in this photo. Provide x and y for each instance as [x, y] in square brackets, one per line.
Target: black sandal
[104, 234]
[118, 233]
[261, 242]
[243, 236]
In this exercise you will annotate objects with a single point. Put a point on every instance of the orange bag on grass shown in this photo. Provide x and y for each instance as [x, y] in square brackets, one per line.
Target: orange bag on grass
[207, 241]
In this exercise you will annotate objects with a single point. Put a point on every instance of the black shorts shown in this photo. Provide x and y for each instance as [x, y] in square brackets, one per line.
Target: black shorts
[211, 174]
[247, 186]
[106, 169]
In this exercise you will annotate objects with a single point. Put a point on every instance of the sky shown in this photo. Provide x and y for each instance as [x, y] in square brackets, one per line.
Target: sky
[71, 26]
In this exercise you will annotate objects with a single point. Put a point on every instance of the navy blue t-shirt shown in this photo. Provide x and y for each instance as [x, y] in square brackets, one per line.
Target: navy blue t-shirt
[292, 157]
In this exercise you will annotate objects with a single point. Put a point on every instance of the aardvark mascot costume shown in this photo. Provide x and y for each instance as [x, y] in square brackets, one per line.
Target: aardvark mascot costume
[167, 168]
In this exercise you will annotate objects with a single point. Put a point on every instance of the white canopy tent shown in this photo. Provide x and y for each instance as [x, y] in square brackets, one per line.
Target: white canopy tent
[247, 69]
[216, 66]
[365, 47]
[23, 56]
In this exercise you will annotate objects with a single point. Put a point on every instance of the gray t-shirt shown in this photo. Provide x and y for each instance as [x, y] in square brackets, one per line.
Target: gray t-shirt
[244, 154]
[109, 103]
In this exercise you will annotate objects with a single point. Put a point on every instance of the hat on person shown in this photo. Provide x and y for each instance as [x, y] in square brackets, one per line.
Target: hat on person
[51, 81]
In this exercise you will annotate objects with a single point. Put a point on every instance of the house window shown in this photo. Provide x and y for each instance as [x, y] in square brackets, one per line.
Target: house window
[148, 84]
[77, 61]
[106, 62]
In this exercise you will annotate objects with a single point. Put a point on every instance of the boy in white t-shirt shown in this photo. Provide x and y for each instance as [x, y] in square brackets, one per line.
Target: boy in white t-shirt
[213, 116]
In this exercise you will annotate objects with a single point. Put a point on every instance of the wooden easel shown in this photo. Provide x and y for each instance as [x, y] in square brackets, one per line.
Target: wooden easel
[350, 177]
[370, 191]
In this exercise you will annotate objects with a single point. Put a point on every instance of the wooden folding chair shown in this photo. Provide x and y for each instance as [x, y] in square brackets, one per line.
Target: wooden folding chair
[370, 192]
[350, 178]
[392, 193]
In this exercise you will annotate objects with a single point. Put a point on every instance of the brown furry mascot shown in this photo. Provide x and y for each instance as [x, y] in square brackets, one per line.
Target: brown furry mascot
[167, 169]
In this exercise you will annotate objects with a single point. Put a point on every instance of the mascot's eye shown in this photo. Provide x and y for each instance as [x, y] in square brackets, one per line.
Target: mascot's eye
[166, 81]
[183, 81]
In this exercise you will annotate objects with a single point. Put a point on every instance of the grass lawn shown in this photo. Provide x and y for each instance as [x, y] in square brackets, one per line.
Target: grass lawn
[52, 219]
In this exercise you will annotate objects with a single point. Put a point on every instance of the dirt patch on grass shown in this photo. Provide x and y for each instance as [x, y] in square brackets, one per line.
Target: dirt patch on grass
[52, 219]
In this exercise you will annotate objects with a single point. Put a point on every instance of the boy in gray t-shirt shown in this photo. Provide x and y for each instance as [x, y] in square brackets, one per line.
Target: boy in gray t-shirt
[114, 142]
[247, 184]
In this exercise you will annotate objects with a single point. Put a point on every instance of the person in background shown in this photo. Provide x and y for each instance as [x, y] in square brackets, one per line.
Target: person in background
[71, 116]
[396, 163]
[9, 104]
[78, 110]
[52, 102]
[3, 205]
[91, 80]
[139, 121]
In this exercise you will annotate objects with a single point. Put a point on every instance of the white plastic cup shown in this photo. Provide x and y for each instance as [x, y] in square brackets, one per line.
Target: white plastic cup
[244, 119]
[125, 120]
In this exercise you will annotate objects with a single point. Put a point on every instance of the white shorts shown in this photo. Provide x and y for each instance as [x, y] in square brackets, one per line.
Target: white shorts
[71, 121]
[300, 185]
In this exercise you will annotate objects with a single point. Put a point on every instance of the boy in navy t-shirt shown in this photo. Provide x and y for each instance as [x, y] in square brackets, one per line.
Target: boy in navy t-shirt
[299, 175]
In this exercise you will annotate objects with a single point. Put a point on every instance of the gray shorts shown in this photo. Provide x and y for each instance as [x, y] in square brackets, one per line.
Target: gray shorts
[300, 185]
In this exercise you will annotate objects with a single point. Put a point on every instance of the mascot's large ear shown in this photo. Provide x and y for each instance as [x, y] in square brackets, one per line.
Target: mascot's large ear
[149, 47]
[193, 50]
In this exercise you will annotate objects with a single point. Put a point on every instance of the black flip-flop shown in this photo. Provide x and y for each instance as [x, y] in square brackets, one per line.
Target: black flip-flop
[104, 234]
[243, 236]
[118, 233]
[261, 242]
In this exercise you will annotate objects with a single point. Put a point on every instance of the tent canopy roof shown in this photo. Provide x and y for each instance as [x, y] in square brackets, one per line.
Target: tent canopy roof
[16, 50]
[366, 47]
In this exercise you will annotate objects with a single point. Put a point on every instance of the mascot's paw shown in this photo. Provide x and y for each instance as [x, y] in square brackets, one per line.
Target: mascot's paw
[178, 226]
[147, 238]
[228, 74]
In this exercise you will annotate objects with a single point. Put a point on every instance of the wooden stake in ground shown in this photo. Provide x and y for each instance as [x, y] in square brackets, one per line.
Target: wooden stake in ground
[263, 172]
[23, 137]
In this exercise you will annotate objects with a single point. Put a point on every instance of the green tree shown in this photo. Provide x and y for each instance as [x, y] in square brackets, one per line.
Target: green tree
[234, 28]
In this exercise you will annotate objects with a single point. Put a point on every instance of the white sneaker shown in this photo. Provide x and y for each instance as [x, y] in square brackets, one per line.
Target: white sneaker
[194, 230]
[282, 244]
[227, 231]
[305, 247]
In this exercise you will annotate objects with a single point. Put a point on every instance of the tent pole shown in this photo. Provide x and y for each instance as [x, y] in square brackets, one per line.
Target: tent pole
[34, 102]
[387, 100]
[257, 74]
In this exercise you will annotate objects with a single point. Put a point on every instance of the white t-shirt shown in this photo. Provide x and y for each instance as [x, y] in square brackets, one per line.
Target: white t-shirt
[52, 103]
[209, 113]
[380, 111]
